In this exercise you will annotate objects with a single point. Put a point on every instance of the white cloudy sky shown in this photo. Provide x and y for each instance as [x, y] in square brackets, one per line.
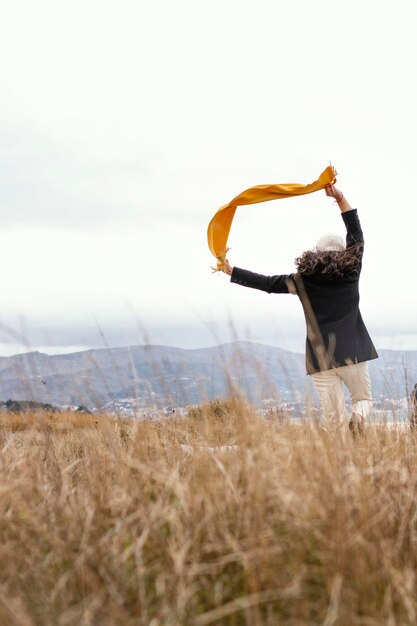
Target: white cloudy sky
[125, 124]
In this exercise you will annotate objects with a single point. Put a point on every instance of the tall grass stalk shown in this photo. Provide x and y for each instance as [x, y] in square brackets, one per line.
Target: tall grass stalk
[130, 523]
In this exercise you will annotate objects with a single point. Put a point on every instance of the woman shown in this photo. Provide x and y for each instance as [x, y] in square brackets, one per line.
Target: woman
[338, 345]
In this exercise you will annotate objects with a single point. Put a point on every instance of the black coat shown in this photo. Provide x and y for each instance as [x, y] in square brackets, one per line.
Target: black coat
[336, 333]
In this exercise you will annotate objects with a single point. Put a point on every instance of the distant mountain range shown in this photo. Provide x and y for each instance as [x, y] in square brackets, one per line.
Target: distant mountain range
[160, 375]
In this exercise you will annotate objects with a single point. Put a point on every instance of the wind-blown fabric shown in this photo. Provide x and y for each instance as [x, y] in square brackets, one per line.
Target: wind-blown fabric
[219, 227]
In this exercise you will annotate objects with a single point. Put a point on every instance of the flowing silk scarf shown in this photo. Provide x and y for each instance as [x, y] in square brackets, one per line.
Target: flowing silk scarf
[219, 227]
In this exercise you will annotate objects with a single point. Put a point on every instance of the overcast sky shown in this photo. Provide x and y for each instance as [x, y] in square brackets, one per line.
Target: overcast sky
[125, 125]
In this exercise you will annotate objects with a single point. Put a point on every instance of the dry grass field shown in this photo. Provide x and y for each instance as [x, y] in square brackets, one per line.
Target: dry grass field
[127, 523]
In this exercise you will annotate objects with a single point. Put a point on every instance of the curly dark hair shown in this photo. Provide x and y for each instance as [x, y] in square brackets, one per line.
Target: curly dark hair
[331, 264]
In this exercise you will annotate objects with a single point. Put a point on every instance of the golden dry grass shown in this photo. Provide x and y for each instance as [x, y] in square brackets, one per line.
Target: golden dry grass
[147, 523]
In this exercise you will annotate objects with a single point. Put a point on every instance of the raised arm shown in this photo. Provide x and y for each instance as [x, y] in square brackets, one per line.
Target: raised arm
[354, 234]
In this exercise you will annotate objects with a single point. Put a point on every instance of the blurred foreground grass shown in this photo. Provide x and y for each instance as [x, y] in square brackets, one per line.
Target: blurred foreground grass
[159, 523]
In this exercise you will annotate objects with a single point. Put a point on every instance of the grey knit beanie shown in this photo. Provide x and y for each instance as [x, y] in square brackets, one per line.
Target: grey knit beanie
[330, 242]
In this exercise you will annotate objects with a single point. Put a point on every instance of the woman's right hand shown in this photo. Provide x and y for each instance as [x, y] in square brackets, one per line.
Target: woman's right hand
[333, 192]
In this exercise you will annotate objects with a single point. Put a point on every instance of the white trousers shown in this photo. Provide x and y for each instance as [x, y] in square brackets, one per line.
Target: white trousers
[329, 388]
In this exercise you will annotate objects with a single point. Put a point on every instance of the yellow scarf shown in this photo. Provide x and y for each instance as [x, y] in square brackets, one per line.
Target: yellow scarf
[219, 227]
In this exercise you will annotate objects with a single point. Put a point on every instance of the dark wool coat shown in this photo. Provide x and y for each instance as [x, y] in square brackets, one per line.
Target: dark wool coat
[336, 333]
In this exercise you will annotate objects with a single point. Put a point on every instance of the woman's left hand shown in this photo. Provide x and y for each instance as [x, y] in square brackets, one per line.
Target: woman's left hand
[227, 268]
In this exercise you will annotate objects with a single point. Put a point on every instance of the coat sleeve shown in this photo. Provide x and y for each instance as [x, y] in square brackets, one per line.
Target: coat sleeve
[354, 234]
[282, 283]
